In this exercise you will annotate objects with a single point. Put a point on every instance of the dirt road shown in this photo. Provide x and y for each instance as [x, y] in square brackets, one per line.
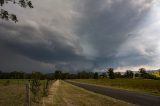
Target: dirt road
[48, 101]
[132, 97]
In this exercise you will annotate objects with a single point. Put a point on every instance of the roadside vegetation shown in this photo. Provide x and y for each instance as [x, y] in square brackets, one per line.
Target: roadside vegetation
[13, 91]
[69, 95]
[140, 85]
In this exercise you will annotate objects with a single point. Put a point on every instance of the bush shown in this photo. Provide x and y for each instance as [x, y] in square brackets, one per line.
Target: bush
[35, 86]
[45, 88]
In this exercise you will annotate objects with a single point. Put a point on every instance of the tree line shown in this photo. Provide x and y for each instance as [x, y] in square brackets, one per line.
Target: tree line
[59, 74]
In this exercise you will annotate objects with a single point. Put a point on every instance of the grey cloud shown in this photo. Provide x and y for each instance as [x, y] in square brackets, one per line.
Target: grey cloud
[49, 48]
[75, 35]
[107, 29]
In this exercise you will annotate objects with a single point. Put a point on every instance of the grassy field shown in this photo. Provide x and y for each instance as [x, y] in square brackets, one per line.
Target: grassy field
[12, 92]
[138, 85]
[69, 95]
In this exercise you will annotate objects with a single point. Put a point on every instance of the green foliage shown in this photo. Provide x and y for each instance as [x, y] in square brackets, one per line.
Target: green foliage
[95, 75]
[111, 73]
[157, 74]
[128, 74]
[5, 15]
[142, 72]
[58, 74]
[45, 88]
[145, 75]
[118, 75]
[35, 86]
[85, 75]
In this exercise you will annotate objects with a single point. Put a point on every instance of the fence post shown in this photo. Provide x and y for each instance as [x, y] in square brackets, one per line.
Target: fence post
[27, 98]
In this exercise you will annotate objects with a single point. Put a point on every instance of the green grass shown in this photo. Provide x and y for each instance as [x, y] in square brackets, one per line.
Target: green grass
[70, 95]
[138, 85]
[13, 81]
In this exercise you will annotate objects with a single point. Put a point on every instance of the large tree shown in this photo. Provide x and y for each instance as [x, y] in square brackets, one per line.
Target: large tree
[129, 74]
[111, 73]
[5, 15]
[143, 72]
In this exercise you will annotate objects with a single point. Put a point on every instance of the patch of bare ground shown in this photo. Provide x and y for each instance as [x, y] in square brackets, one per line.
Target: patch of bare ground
[50, 99]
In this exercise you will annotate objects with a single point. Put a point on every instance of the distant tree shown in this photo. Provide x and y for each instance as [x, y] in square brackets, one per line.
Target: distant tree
[104, 75]
[83, 75]
[129, 74]
[96, 75]
[65, 76]
[111, 73]
[143, 73]
[5, 15]
[58, 74]
[137, 75]
[17, 75]
[117, 74]
[91, 75]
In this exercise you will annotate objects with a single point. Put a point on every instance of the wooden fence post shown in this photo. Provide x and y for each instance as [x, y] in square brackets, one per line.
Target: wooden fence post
[27, 95]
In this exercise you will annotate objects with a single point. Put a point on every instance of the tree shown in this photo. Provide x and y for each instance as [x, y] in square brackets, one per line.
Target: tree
[95, 75]
[103, 75]
[35, 86]
[143, 72]
[117, 75]
[111, 73]
[129, 74]
[5, 15]
[58, 74]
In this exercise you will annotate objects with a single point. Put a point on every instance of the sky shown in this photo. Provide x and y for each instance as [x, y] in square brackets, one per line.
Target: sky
[74, 35]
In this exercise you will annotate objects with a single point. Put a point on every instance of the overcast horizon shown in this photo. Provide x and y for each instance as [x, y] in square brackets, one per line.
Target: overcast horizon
[74, 35]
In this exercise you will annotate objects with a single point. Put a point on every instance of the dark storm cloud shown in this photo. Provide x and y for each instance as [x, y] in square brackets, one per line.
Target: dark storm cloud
[50, 48]
[74, 35]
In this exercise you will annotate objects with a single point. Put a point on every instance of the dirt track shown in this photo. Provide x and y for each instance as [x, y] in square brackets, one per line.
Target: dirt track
[132, 97]
[48, 101]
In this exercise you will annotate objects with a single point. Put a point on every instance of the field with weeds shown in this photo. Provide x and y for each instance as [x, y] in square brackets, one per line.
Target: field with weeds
[138, 85]
[69, 95]
[12, 91]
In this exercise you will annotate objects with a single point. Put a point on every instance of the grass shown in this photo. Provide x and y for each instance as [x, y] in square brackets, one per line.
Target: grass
[12, 92]
[69, 95]
[138, 85]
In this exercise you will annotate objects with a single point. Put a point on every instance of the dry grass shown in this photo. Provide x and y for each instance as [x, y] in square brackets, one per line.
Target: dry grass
[69, 95]
[12, 95]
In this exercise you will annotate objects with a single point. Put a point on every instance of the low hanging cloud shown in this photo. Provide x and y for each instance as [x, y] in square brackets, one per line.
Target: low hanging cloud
[75, 35]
